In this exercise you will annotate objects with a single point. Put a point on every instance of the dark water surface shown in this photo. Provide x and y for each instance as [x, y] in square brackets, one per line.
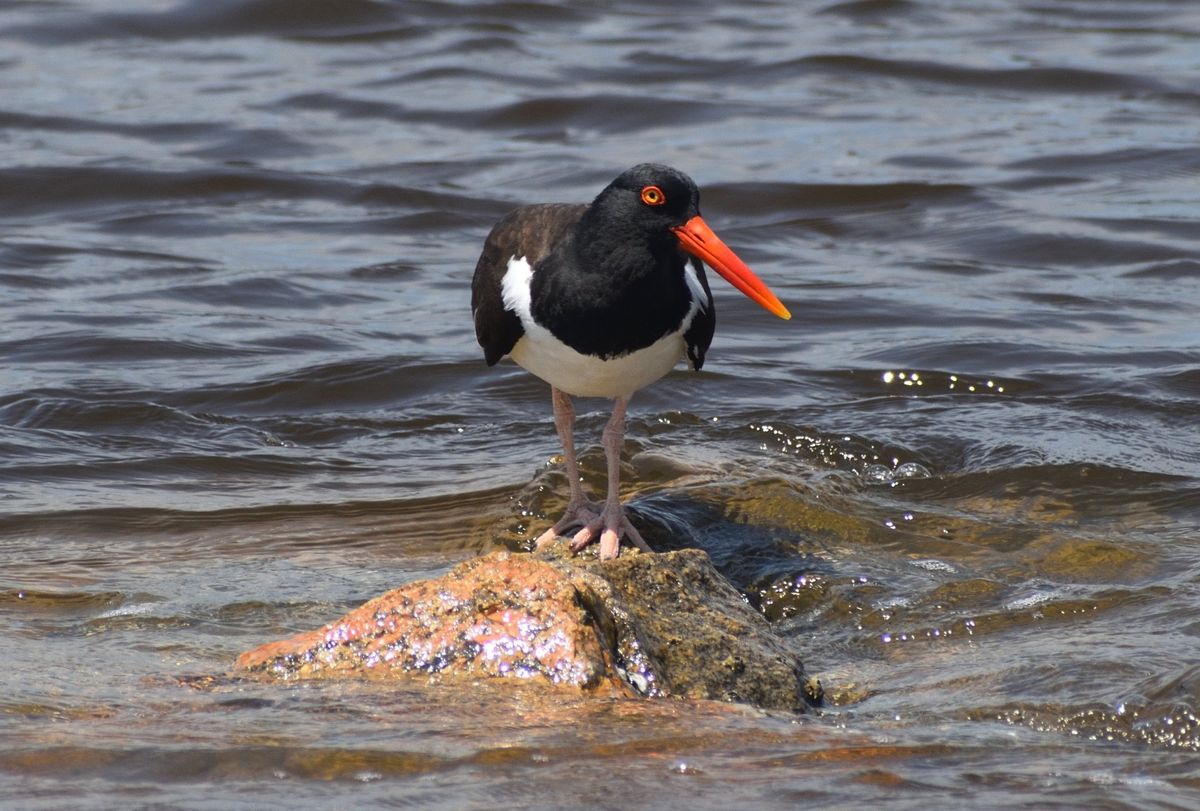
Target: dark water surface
[240, 393]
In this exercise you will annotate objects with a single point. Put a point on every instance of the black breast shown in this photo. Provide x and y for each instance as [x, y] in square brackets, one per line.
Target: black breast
[610, 298]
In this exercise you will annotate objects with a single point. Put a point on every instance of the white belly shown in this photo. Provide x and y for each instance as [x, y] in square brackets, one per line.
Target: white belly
[587, 376]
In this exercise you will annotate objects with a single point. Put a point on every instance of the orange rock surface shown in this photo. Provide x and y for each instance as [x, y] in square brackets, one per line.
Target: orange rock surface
[502, 614]
[663, 624]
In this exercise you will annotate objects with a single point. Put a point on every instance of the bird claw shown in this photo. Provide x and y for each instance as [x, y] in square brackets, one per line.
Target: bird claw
[581, 514]
[596, 524]
[609, 527]
[610, 544]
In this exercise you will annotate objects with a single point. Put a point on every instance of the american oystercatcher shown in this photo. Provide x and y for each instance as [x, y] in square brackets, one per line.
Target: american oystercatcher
[600, 300]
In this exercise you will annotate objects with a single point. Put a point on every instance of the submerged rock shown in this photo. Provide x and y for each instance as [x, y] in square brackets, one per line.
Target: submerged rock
[661, 625]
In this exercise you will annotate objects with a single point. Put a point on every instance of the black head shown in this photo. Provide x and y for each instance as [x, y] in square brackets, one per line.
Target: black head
[653, 210]
[647, 200]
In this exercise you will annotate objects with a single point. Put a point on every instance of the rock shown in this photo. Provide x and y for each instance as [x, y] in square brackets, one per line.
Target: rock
[656, 624]
[498, 615]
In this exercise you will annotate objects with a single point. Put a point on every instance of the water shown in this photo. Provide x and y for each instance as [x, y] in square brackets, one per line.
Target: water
[239, 392]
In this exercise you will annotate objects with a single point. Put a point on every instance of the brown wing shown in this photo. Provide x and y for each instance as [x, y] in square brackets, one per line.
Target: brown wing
[527, 232]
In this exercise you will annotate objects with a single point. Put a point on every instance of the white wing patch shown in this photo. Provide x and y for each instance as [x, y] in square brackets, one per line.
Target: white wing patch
[514, 289]
[693, 282]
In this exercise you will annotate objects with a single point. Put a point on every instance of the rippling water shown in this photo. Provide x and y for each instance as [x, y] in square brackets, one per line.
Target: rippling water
[239, 391]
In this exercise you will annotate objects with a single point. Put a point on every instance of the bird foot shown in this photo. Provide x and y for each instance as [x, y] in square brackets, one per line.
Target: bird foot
[607, 526]
[578, 514]
[610, 526]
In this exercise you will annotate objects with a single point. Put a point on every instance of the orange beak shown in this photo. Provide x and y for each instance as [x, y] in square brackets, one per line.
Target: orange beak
[698, 239]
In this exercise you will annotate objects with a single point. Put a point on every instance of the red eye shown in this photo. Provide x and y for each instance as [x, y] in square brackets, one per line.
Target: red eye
[653, 196]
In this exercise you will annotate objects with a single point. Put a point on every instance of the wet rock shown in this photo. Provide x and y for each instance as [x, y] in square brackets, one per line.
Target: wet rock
[661, 625]
[498, 615]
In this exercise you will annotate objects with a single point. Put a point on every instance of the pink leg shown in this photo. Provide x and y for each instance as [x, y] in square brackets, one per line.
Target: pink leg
[612, 518]
[579, 509]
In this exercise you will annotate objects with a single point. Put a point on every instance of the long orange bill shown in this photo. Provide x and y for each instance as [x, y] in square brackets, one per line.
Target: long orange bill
[699, 240]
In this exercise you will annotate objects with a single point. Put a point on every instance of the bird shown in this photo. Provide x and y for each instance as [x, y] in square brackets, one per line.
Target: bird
[601, 300]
